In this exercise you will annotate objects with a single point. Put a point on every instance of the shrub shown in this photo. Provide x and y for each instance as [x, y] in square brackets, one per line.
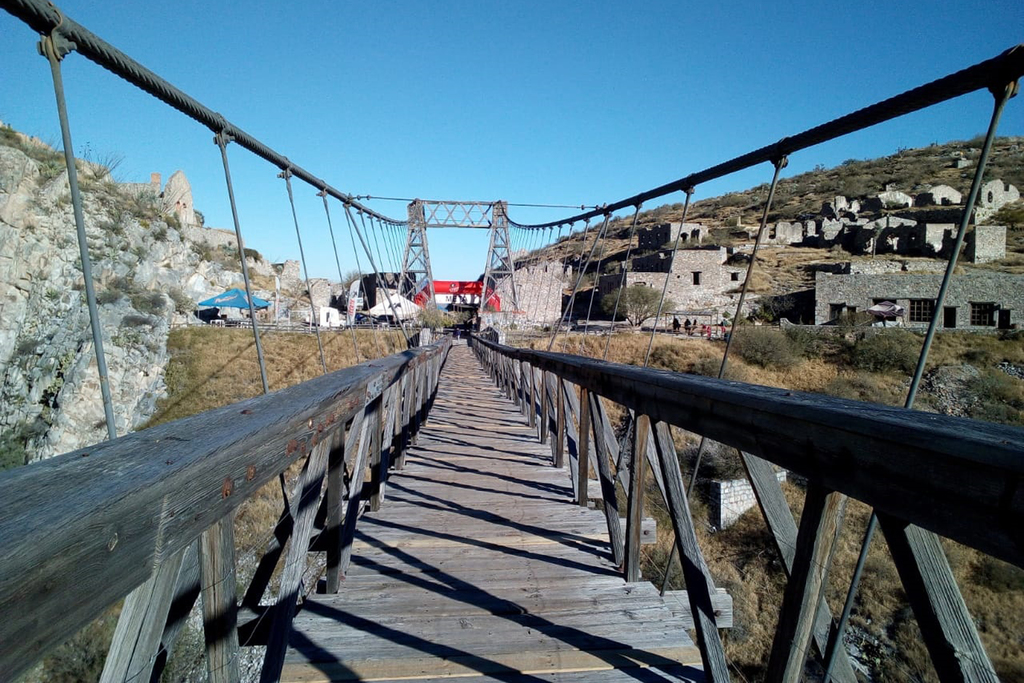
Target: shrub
[888, 350]
[152, 303]
[182, 302]
[253, 254]
[765, 346]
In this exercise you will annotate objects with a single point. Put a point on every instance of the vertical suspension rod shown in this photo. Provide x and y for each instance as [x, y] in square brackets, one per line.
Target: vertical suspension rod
[287, 175]
[222, 140]
[341, 278]
[54, 48]
[623, 282]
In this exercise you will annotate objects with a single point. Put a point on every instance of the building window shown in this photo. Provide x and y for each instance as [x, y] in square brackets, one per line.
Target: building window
[922, 310]
[735, 277]
[835, 310]
[696, 277]
[983, 314]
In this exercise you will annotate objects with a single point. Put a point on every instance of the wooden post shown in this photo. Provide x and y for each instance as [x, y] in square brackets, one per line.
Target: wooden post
[545, 420]
[572, 434]
[220, 612]
[140, 626]
[335, 499]
[700, 587]
[635, 505]
[602, 450]
[820, 524]
[355, 488]
[946, 625]
[779, 519]
[305, 499]
[559, 455]
[584, 455]
[377, 456]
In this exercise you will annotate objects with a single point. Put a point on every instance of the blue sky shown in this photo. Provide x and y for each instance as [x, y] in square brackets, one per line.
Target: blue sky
[536, 102]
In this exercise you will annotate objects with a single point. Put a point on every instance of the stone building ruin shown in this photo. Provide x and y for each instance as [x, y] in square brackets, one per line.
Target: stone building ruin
[656, 236]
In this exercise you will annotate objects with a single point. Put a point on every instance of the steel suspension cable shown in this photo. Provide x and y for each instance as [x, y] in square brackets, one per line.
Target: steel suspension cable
[222, 141]
[373, 264]
[561, 265]
[359, 267]
[623, 281]
[575, 288]
[382, 283]
[668, 276]
[1001, 98]
[313, 319]
[593, 287]
[779, 164]
[54, 48]
[341, 278]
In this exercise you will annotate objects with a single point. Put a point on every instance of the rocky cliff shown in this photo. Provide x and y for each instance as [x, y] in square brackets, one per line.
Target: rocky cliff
[149, 272]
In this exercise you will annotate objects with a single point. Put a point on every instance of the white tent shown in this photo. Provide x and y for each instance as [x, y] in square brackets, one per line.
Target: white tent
[404, 309]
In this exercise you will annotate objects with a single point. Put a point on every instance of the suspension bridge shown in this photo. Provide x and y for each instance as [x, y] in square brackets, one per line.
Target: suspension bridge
[472, 510]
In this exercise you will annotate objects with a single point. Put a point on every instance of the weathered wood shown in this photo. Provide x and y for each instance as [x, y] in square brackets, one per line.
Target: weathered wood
[583, 460]
[780, 522]
[681, 605]
[602, 449]
[700, 587]
[123, 506]
[380, 447]
[558, 457]
[305, 498]
[946, 625]
[820, 524]
[355, 487]
[572, 435]
[545, 419]
[186, 592]
[895, 460]
[220, 612]
[140, 626]
[635, 501]
[335, 499]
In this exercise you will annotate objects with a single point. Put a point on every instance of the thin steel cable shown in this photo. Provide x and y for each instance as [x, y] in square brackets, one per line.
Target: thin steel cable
[53, 56]
[778, 164]
[314, 322]
[572, 296]
[373, 264]
[552, 275]
[359, 267]
[222, 141]
[668, 275]
[341, 278]
[382, 284]
[594, 285]
[623, 282]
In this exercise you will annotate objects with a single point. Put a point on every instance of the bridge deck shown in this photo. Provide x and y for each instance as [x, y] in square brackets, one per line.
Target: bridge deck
[478, 565]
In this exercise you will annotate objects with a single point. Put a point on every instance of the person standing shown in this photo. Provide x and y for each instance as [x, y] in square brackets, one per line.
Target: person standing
[675, 325]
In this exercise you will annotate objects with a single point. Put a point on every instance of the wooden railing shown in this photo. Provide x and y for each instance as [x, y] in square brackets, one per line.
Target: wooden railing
[149, 516]
[924, 474]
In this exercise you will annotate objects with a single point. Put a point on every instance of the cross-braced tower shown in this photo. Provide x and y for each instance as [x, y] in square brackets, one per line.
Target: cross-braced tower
[416, 275]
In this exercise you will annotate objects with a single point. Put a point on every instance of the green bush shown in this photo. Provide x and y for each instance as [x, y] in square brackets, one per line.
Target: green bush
[765, 346]
[152, 303]
[888, 350]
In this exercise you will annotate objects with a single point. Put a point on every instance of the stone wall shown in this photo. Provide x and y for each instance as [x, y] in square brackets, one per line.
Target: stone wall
[540, 287]
[728, 500]
[986, 243]
[699, 278]
[1002, 293]
[655, 236]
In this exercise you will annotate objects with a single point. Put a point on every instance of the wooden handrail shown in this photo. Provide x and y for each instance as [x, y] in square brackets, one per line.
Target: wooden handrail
[82, 530]
[957, 477]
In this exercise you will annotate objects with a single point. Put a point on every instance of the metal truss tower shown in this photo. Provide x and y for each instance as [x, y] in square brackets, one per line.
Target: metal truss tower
[416, 274]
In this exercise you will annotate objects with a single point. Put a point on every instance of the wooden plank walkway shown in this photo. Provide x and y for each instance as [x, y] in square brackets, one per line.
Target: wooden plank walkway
[478, 565]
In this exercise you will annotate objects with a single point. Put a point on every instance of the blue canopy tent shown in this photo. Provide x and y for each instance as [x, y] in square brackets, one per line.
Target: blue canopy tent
[234, 298]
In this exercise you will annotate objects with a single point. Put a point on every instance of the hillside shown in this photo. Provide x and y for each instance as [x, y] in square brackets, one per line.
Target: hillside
[732, 218]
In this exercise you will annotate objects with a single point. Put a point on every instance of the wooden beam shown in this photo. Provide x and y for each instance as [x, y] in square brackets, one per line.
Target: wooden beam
[896, 460]
[220, 611]
[558, 456]
[186, 592]
[584, 455]
[602, 449]
[700, 587]
[140, 626]
[820, 524]
[121, 507]
[782, 526]
[635, 503]
[545, 419]
[355, 487]
[306, 498]
[946, 625]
